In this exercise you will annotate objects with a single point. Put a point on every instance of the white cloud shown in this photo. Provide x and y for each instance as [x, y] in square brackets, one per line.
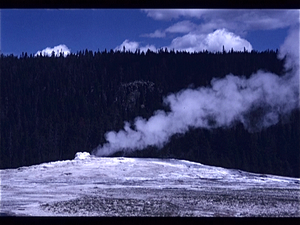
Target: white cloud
[156, 34]
[212, 42]
[150, 47]
[182, 27]
[168, 14]
[236, 20]
[132, 46]
[129, 46]
[57, 50]
[192, 42]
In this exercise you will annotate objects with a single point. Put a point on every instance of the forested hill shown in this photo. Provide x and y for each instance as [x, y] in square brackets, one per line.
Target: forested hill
[53, 107]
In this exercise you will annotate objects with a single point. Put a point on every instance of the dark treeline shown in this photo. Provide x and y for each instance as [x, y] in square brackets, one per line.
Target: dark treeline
[53, 107]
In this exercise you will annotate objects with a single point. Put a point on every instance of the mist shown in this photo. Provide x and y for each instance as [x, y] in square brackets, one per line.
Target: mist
[257, 102]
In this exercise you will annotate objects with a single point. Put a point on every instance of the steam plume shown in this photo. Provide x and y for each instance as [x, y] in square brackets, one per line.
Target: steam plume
[257, 102]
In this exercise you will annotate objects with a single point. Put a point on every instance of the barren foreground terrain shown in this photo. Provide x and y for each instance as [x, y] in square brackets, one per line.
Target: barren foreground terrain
[92, 186]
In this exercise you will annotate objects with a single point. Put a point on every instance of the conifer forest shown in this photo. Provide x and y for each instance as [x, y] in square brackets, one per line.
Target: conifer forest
[53, 107]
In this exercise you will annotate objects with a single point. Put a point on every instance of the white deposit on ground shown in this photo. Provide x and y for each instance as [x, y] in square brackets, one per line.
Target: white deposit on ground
[95, 186]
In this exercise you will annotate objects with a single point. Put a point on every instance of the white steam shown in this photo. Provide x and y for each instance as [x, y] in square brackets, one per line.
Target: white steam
[257, 102]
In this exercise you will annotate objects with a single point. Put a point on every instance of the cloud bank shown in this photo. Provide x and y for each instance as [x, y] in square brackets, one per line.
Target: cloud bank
[257, 102]
[155, 34]
[234, 20]
[210, 29]
[57, 50]
[213, 42]
[181, 27]
[132, 46]
[193, 42]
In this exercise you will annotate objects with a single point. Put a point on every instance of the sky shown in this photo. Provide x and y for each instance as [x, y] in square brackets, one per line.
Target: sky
[38, 31]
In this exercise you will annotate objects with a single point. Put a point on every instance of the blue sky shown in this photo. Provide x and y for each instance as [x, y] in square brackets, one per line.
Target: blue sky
[34, 30]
